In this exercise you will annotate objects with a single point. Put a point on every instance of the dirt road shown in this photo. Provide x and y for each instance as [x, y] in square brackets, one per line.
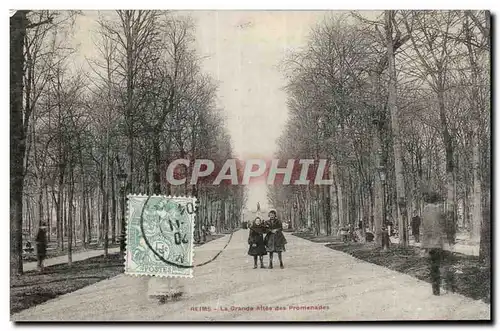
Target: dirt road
[317, 284]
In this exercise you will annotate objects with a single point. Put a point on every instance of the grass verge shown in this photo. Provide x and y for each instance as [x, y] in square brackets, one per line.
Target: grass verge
[317, 239]
[34, 288]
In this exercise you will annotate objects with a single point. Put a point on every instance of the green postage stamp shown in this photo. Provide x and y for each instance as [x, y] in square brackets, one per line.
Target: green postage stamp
[160, 236]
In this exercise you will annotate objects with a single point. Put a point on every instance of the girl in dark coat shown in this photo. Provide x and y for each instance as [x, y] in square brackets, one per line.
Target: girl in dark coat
[256, 242]
[275, 240]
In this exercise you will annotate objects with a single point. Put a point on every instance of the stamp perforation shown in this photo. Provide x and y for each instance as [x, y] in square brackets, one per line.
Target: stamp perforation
[192, 219]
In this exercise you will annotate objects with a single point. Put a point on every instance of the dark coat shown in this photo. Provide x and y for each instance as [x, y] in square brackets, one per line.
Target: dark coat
[41, 243]
[415, 224]
[275, 242]
[256, 237]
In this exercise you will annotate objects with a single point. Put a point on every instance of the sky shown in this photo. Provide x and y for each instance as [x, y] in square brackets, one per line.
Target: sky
[242, 51]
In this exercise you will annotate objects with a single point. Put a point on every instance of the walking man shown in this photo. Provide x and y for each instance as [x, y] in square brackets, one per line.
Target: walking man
[415, 226]
[436, 236]
[41, 246]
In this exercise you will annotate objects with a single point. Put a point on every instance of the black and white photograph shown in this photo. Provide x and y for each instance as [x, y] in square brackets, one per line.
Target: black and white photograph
[250, 165]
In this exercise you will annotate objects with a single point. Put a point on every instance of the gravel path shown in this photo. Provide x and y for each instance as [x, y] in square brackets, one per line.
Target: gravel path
[337, 286]
[28, 266]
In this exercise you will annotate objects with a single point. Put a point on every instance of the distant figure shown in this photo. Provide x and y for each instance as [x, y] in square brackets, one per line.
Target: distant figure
[212, 229]
[386, 240]
[358, 235]
[41, 246]
[256, 242]
[353, 235]
[275, 240]
[435, 237]
[344, 233]
[390, 227]
[204, 233]
[415, 226]
[369, 236]
[258, 206]
[286, 225]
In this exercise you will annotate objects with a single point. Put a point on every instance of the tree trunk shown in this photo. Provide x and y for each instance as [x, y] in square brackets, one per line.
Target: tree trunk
[84, 217]
[54, 199]
[327, 209]
[393, 109]
[113, 203]
[40, 206]
[98, 212]
[371, 211]
[366, 211]
[476, 161]
[18, 24]
[149, 185]
[27, 213]
[301, 207]
[65, 214]
[334, 207]
[450, 172]
[465, 207]
[129, 118]
[60, 206]
[105, 208]
[222, 217]
[308, 207]
[70, 218]
[49, 213]
[485, 242]
[341, 199]
[378, 201]
[89, 216]
[157, 167]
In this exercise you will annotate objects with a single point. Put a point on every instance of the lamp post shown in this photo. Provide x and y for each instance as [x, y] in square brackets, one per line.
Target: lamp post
[122, 178]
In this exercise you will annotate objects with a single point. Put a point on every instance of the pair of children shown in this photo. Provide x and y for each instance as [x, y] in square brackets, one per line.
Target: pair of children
[274, 240]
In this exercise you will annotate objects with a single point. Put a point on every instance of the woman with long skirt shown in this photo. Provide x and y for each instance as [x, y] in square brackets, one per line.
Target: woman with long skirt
[275, 240]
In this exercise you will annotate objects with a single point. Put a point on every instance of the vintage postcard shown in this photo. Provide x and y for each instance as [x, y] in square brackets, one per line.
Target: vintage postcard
[250, 165]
